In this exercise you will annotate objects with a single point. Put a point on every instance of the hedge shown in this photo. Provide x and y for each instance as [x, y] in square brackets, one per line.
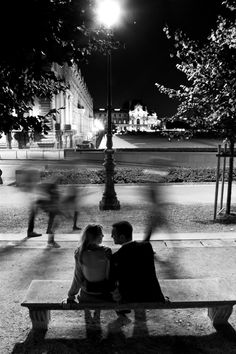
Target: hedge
[133, 175]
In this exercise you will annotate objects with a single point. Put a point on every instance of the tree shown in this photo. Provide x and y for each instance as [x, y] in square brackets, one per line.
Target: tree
[208, 101]
[36, 34]
[22, 138]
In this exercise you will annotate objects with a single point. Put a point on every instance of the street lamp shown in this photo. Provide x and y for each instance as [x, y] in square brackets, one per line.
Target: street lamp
[108, 13]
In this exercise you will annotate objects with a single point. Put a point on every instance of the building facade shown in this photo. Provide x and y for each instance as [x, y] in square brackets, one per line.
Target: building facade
[73, 121]
[74, 118]
[119, 117]
[136, 119]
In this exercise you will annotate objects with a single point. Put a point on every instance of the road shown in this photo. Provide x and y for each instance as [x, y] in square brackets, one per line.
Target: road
[154, 141]
[132, 157]
[163, 152]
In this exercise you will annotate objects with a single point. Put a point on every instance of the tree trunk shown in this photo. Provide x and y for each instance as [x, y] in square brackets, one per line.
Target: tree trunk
[230, 176]
[9, 139]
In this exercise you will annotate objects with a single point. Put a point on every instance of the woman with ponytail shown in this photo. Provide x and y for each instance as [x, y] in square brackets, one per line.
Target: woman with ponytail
[92, 266]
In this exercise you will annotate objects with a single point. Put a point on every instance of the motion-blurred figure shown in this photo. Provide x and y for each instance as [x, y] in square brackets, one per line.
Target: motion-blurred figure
[53, 203]
[1, 182]
[157, 220]
[70, 205]
[28, 179]
[45, 197]
[48, 198]
[156, 217]
[49, 203]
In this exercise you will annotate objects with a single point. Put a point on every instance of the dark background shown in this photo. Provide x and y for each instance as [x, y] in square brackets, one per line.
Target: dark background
[146, 57]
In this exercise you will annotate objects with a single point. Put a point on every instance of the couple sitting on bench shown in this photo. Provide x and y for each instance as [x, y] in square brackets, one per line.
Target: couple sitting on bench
[128, 275]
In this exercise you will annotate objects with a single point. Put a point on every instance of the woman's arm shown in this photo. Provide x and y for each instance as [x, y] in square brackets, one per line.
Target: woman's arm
[77, 280]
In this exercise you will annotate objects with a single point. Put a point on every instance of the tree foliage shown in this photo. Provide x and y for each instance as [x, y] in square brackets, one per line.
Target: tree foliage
[208, 100]
[34, 34]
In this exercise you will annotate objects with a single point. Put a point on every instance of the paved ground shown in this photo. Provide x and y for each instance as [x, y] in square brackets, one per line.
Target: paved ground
[161, 242]
[179, 255]
[153, 141]
[175, 331]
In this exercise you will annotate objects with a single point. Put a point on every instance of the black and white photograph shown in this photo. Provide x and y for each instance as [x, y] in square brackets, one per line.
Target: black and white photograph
[117, 177]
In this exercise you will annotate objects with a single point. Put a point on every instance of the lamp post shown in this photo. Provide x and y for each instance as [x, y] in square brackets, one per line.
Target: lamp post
[108, 13]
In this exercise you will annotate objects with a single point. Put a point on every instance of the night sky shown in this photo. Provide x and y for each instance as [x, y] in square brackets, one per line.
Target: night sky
[146, 57]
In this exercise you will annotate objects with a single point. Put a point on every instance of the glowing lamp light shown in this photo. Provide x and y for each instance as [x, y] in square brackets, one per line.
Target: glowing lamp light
[108, 12]
[98, 125]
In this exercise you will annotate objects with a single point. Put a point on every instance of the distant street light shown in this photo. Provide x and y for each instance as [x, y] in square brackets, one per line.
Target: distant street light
[108, 14]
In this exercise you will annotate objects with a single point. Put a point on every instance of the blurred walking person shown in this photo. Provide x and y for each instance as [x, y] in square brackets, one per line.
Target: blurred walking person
[70, 205]
[49, 202]
[1, 182]
[156, 218]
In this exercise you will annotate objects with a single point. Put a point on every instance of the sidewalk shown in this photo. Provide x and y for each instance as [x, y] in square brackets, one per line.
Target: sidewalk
[161, 242]
[156, 237]
[68, 330]
[188, 207]
[178, 256]
[127, 194]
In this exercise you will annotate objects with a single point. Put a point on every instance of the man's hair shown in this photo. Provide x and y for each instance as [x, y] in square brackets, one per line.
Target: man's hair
[124, 228]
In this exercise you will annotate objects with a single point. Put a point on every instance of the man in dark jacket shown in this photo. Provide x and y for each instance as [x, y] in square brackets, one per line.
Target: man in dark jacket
[133, 268]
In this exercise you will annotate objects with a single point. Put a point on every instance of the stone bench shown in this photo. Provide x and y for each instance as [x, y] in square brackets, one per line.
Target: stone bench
[216, 294]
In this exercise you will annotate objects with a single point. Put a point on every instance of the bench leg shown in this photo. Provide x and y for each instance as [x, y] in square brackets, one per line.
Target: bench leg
[220, 315]
[40, 319]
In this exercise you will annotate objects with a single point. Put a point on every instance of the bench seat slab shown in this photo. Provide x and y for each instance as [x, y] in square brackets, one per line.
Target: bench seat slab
[207, 292]
[216, 294]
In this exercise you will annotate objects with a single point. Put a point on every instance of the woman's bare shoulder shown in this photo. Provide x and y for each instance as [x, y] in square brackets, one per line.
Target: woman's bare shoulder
[104, 250]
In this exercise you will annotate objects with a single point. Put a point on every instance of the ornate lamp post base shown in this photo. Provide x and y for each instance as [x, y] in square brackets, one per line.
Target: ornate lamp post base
[109, 203]
[109, 200]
